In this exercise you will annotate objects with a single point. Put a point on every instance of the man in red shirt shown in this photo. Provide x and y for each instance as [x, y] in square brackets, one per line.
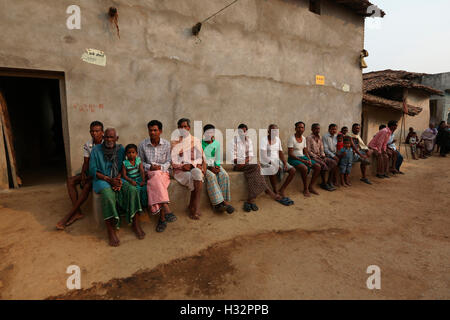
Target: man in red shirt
[379, 146]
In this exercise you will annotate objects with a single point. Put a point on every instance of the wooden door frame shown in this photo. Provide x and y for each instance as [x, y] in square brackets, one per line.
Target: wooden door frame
[48, 74]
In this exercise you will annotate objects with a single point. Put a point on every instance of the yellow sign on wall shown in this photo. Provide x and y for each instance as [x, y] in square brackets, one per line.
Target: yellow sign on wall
[320, 80]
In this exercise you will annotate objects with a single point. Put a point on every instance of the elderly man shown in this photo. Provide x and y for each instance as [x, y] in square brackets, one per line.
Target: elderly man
[189, 164]
[119, 198]
[379, 146]
[154, 152]
[362, 151]
[316, 150]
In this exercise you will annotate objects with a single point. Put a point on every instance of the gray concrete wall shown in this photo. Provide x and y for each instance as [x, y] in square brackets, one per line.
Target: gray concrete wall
[255, 63]
[440, 81]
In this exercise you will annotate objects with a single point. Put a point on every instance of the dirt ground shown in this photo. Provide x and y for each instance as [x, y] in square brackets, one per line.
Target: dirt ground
[319, 248]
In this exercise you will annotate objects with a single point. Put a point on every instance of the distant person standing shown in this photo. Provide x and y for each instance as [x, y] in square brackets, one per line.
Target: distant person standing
[443, 139]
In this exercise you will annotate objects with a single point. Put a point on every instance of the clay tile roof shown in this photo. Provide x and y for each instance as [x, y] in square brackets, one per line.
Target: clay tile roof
[359, 6]
[375, 101]
[392, 78]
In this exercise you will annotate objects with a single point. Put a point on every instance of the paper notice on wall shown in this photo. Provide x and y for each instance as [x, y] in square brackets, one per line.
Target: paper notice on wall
[320, 80]
[94, 56]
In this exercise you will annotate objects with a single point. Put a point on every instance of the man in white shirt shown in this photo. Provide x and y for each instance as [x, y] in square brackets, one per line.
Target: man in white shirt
[273, 162]
[82, 179]
[242, 158]
[300, 158]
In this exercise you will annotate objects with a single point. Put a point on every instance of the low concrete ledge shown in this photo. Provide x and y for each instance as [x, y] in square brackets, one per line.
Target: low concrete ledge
[180, 195]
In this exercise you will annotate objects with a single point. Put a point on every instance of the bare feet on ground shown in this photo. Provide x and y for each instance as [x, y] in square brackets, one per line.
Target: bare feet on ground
[140, 234]
[75, 217]
[60, 225]
[113, 239]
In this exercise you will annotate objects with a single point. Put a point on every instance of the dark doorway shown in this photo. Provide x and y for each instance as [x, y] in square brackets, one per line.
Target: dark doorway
[34, 107]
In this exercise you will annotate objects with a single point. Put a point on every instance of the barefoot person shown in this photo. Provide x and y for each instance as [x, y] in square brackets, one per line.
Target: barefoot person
[83, 179]
[243, 160]
[300, 158]
[362, 152]
[189, 164]
[274, 164]
[119, 198]
[379, 147]
[133, 172]
[217, 179]
[316, 149]
[155, 154]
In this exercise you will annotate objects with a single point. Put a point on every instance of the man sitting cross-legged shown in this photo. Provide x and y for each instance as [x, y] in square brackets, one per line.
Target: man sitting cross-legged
[118, 197]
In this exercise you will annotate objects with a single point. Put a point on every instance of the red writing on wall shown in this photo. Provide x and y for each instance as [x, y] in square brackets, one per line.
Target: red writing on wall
[85, 107]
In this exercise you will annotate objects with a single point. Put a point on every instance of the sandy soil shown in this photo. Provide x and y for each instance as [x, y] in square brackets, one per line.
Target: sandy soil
[318, 248]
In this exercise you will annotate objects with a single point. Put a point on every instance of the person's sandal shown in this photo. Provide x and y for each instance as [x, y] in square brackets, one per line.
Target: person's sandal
[254, 207]
[161, 226]
[247, 207]
[229, 209]
[290, 201]
[284, 202]
[221, 207]
[170, 217]
[365, 180]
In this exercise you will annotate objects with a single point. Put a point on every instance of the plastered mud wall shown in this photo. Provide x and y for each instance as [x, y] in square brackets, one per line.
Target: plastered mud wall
[255, 63]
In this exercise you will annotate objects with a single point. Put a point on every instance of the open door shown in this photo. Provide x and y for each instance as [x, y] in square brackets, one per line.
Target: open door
[8, 146]
[4, 181]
